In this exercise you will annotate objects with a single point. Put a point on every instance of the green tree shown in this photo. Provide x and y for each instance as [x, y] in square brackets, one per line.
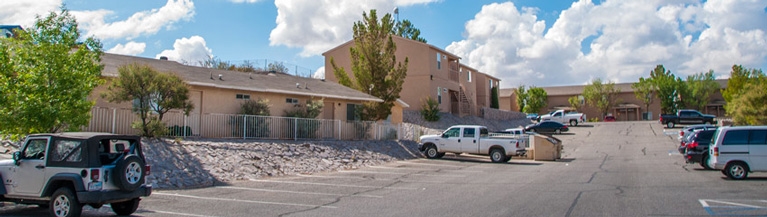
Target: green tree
[46, 76]
[739, 77]
[306, 126]
[667, 85]
[374, 65]
[575, 102]
[698, 89]
[645, 91]
[277, 67]
[603, 96]
[406, 29]
[430, 109]
[749, 108]
[153, 95]
[521, 97]
[494, 98]
[535, 100]
[741, 83]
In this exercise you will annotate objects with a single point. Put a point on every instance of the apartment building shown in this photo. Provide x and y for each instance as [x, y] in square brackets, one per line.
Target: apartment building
[432, 72]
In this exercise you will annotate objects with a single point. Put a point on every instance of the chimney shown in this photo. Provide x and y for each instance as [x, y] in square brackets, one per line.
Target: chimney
[163, 58]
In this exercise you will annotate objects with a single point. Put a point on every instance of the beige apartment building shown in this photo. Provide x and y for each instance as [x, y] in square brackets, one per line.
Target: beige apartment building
[432, 72]
[629, 108]
[221, 92]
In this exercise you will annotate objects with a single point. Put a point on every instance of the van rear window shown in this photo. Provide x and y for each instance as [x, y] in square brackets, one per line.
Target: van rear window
[758, 137]
[735, 137]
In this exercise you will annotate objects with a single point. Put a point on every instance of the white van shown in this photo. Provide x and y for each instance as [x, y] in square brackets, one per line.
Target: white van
[739, 150]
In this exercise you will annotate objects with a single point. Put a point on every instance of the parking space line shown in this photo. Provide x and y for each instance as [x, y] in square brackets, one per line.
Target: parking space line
[428, 164]
[431, 170]
[393, 173]
[175, 213]
[298, 192]
[242, 201]
[334, 185]
[343, 177]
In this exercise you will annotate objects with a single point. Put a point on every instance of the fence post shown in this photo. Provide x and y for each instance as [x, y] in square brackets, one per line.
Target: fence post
[244, 126]
[295, 129]
[184, 128]
[338, 122]
[114, 119]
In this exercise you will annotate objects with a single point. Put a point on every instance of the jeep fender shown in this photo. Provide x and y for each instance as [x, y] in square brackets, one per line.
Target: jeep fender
[62, 180]
[2, 186]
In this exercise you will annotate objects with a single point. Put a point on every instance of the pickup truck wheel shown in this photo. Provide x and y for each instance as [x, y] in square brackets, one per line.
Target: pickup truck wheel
[736, 170]
[497, 155]
[431, 152]
[64, 203]
[129, 173]
[573, 123]
[126, 207]
[670, 124]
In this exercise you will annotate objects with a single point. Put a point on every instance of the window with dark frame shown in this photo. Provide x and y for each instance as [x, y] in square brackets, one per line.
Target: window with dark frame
[242, 96]
[291, 100]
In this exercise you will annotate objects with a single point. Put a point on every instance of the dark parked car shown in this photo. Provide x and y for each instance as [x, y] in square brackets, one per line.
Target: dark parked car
[686, 116]
[696, 150]
[609, 118]
[686, 132]
[532, 116]
[547, 127]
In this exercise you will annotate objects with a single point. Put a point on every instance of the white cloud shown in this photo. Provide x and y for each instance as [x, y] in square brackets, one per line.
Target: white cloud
[319, 73]
[22, 12]
[317, 26]
[130, 48]
[141, 23]
[687, 36]
[245, 1]
[192, 51]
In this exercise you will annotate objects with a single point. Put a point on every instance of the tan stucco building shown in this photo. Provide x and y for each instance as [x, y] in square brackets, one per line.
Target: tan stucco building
[629, 107]
[214, 92]
[432, 72]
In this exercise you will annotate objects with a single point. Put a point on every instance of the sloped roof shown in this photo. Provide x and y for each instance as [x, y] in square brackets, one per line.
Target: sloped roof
[267, 83]
[578, 89]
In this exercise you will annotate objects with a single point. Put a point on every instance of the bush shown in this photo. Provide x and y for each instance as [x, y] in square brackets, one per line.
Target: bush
[430, 109]
[154, 127]
[176, 130]
[304, 117]
[255, 122]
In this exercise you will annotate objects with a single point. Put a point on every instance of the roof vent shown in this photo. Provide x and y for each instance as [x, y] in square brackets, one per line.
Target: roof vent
[163, 58]
[220, 77]
[306, 86]
[211, 76]
[298, 85]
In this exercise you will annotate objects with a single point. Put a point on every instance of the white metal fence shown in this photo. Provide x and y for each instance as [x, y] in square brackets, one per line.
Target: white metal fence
[116, 120]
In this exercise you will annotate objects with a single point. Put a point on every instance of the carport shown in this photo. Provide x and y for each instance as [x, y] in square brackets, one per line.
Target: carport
[626, 112]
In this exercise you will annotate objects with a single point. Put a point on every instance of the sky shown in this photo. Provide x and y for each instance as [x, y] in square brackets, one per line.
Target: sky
[522, 42]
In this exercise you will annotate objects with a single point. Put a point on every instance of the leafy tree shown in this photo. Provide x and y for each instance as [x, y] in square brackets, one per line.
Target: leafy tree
[698, 89]
[521, 97]
[153, 94]
[739, 77]
[603, 96]
[254, 123]
[430, 109]
[740, 85]
[535, 100]
[645, 91]
[575, 102]
[668, 86]
[749, 108]
[374, 65]
[406, 29]
[494, 98]
[46, 76]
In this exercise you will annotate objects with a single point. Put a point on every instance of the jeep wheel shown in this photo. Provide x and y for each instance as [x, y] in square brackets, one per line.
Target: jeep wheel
[64, 203]
[431, 152]
[125, 208]
[497, 155]
[129, 173]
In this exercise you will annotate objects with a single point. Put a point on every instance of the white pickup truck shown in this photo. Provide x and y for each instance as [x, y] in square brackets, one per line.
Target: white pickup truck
[560, 116]
[470, 139]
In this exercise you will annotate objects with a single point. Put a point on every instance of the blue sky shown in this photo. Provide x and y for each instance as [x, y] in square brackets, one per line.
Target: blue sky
[523, 42]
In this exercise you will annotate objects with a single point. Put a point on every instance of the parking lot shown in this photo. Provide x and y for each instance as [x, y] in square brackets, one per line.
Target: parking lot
[608, 169]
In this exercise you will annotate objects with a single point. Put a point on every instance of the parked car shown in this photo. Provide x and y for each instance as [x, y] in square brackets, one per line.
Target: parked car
[547, 127]
[532, 116]
[696, 149]
[739, 150]
[470, 139]
[686, 132]
[686, 116]
[609, 118]
[560, 116]
[65, 171]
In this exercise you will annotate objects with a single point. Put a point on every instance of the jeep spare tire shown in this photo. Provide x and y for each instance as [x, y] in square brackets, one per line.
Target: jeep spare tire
[129, 173]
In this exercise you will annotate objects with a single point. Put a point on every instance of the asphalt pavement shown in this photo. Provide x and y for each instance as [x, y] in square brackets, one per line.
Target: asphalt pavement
[607, 169]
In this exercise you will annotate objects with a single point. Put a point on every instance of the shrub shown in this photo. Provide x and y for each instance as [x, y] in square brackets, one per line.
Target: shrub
[430, 109]
[154, 127]
[177, 130]
[254, 123]
[304, 118]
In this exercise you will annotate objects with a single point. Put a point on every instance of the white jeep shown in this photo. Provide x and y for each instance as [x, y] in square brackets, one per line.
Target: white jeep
[65, 171]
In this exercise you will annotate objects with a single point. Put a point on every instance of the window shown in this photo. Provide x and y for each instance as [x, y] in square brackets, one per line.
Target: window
[243, 96]
[468, 75]
[351, 113]
[758, 137]
[291, 100]
[453, 132]
[468, 132]
[439, 95]
[67, 151]
[491, 84]
[439, 61]
[735, 137]
[35, 149]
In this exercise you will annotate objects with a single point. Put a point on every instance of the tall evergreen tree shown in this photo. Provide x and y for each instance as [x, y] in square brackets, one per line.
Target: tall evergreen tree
[406, 29]
[374, 66]
[521, 97]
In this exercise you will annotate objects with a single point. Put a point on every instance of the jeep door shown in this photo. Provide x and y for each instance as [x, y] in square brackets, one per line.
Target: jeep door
[30, 173]
[757, 148]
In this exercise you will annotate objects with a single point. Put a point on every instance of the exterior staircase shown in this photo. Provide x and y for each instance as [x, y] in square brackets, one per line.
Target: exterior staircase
[464, 103]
